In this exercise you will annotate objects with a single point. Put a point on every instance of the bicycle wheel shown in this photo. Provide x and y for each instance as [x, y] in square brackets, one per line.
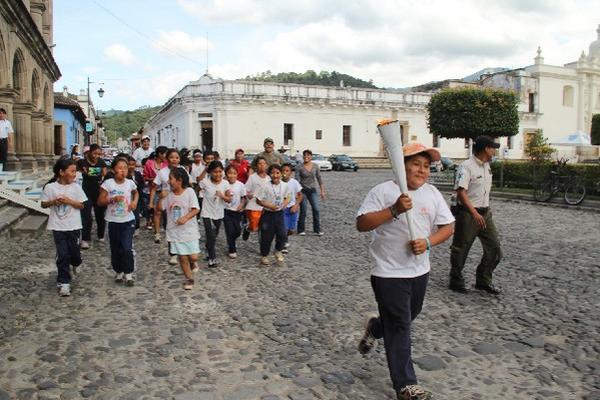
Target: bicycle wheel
[574, 193]
[542, 191]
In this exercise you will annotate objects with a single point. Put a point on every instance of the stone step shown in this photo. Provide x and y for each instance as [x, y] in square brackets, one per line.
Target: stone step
[9, 216]
[21, 186]
[29, 227]
[6, 176]
[34, 194]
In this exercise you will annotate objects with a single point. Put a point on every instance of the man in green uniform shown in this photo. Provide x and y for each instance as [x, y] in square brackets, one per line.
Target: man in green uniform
[474, 218]
[270, 155]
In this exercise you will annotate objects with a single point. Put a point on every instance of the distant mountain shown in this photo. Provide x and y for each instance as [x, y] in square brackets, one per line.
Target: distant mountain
[121, 124]
[323, 78]
[486, 71]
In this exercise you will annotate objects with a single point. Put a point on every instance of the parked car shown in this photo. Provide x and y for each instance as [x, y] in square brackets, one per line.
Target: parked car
[341, 162]
[290, 160]
[322, 162]
[448, 164]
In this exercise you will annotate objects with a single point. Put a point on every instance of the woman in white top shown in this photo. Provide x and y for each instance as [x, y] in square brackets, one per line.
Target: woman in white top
[216, 194]
[65, 199]
[120, 196]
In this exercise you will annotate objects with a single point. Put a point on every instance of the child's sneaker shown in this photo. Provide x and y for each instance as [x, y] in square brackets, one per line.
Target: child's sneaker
[119, 277]
[195, 267]
[245, 234]
[279, 257]
[157, 238]
[129, 281]
[84, 245]
[367, 341]
[64, 290]
[265, 261]
[232, 255]
[413, 392]
[188, 284]
[173, 260]
[301, 233]
[101, 240]
[212, 263]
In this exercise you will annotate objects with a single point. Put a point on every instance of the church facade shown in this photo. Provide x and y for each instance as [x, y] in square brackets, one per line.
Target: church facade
[227, 114]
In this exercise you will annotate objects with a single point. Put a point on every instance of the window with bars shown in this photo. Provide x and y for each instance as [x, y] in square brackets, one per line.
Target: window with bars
[288, 133]
[318, 134]
[346, 135]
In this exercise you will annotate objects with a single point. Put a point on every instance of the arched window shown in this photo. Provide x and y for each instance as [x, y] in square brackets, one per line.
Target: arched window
[3, 63]
[36, 90]
[19, 74]
[568, 95]
[48, 103]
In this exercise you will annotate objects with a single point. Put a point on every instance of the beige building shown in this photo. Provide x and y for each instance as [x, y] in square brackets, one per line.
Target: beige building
[27, 74]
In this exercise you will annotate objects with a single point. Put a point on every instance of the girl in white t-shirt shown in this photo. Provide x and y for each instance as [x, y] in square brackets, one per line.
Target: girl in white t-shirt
[253, 184]
[216, 194]
[274, 198]
[290, 214]
[234, 210]
[120, 196]
[181, 206]
[65, 198]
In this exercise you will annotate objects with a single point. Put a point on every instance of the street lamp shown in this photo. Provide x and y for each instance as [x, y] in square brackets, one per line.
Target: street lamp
[89, 106]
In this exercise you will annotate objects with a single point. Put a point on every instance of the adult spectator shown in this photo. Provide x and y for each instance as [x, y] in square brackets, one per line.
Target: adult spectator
[242, 166]
[75, 155]
[474, 218]
[309, 176]
[298, 156]
[270, 155]
[143, 151]
[6, 132]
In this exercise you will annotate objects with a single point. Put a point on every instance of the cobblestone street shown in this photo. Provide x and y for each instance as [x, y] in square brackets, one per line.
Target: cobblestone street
[250, 332]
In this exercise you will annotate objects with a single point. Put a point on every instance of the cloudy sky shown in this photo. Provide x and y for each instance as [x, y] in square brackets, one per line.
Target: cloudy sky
[144, 51]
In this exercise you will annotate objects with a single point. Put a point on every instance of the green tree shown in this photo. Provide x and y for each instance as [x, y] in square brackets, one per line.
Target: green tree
[121, 124]
[310, 77]
[537, 149]
[596, 129]
[469, 112]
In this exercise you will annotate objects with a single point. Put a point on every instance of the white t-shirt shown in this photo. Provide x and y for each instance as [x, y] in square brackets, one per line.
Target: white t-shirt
[63, 217]
[162, 178]
[139, 154]
[294, 188]
[212, 206]
[253, 185]
[5, 128]
[176, 207]
[389, 242]
[119, 211]
[237, 190]
[197, 170]
[274, 194]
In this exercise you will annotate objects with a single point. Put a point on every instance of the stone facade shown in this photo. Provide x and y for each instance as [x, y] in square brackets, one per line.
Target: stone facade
[27, 74]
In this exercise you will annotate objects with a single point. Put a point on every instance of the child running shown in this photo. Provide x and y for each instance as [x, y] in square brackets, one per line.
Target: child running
[135, 175]
[120, 196]
[181, 206]
[155, 162]
[290, 214]
[274, 198]
[216, 194]
[254, 183]
[65, 199]
[234, 209]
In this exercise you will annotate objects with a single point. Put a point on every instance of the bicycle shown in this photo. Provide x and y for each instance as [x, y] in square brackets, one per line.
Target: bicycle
[560, 179]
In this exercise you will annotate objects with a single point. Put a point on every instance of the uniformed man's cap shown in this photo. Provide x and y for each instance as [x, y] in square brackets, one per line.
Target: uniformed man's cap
[267, 140]
[485, 141]
[412, 148]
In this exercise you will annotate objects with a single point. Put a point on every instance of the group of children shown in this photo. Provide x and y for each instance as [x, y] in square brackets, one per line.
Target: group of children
[173, 195]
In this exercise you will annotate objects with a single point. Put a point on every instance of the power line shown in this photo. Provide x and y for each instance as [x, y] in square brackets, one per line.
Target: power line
[148, 38]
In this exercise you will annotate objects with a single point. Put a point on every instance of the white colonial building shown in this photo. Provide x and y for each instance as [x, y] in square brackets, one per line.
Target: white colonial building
[227, 114]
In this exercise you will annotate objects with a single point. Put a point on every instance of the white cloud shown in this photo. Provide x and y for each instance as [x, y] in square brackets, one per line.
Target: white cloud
[119, 53]
[181, 43]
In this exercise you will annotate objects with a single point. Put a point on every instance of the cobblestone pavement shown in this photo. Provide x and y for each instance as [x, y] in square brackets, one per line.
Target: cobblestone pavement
[290, 332]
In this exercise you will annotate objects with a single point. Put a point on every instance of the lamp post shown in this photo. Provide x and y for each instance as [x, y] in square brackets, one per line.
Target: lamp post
[86, 138]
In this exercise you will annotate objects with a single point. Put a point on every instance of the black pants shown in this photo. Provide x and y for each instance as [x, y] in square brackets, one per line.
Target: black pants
[399, 301]
[271, 226]
[233, 228]
[67, 253]
[3, 151]
[86, 219]
[121, 246]
[211, 229]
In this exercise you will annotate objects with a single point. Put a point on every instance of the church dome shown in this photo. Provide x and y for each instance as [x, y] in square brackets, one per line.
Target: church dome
[595, 46]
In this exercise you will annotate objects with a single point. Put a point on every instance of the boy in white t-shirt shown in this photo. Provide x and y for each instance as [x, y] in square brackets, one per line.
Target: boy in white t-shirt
[399, 277]
[290, 214]
[65, 200]
[120, 197]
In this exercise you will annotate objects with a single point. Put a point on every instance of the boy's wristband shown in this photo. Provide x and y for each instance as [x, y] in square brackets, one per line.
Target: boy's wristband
[393, 212]
[428, 244]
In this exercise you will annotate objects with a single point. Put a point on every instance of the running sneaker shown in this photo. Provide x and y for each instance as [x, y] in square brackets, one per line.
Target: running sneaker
[265, 261]
[413, 392]
[285, 251]
[320, 233]
[101, 240]
[119, 277]
[188, 284]
[173, 260]
[195, 267]
[301, 233]
[286, 245]
[64, 290]
[129, 281]
[84, 245]
[157, 238]
[279, 257]
[245, 234]
[232, 255]
[212, 263]
[368, 340]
